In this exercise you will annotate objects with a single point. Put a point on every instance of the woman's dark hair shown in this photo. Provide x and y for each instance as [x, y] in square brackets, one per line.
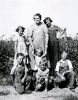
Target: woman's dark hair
[37, 14]
[19, 28]
[47, 18]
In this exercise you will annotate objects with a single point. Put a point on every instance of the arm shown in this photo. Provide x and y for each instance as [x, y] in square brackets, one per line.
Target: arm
[46, 39]
[70, 70]
[70, 67]
[23, 79]
[62, 31]
[16, 44]
[57, 71]
[46, 72]
[60, 75]
[30, 35]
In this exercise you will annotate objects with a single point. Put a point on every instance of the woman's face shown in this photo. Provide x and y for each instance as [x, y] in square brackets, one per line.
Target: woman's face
[20, 59]
[20, 31]
[48, 23]
[37, 19]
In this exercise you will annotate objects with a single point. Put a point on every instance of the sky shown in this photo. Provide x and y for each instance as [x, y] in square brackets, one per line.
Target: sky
[14, 13]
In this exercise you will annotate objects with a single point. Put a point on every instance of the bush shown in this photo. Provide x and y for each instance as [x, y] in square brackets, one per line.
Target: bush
[6, 58]
[71, 97]
[7, 54]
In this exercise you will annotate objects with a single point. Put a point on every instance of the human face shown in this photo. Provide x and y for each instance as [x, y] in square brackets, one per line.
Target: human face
[37, 19]
[42, 67]
[19, 60]
[48, 23]
[64, 55]
[38, 52]
[20, 31]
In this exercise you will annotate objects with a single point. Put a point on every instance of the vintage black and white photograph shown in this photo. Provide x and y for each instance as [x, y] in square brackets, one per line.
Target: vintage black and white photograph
[38, 49]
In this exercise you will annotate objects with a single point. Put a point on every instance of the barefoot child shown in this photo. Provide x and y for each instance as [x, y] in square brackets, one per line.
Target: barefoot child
[42, 74]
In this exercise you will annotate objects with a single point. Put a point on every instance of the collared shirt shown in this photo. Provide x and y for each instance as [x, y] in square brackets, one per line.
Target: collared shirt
[63, 64]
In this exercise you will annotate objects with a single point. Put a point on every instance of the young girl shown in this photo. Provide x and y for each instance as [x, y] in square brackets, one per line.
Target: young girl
[38, 53]
[20, 46]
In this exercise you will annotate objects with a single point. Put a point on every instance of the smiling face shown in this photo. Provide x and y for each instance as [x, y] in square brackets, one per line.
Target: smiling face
[38, 52]
[20, 59]
[37, 19]
[64, 55]
[20, 31]
[48, 23]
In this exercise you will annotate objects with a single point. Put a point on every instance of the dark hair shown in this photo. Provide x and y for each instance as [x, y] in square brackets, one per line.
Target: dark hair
[37, 14]
[47, 18]
[41, 53]
[20, 54]
[19, 28]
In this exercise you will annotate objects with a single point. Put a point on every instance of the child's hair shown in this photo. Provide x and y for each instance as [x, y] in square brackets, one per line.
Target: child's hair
[17, 29]
[65, 53]
[43, 62]
[41, 52]
[20, 54]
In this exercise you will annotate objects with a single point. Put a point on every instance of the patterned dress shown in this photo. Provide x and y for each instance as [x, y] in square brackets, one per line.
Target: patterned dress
[37, 34]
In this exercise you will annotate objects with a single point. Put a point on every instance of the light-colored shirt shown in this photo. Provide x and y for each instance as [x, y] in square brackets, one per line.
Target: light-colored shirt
[63, 64]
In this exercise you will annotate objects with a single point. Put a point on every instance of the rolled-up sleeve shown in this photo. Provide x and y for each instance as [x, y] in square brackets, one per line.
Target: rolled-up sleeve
[57, 67]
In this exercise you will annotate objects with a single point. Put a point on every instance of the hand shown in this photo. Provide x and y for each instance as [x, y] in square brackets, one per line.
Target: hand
[22, 81]
[64, 29]
[63, 74]
[45, 53]
[63, 78]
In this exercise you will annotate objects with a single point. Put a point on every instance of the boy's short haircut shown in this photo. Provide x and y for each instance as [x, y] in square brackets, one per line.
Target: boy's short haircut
[20, 54]
[19, 28]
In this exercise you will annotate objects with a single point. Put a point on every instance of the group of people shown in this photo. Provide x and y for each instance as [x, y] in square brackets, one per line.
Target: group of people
[36, 62]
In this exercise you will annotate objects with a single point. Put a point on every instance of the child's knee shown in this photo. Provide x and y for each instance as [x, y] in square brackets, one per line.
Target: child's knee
[20, 88]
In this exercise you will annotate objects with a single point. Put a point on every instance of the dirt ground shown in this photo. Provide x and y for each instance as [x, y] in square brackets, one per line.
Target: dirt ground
[54, 94]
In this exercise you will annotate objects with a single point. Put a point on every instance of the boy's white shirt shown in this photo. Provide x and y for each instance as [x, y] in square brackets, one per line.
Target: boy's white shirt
[62, 61]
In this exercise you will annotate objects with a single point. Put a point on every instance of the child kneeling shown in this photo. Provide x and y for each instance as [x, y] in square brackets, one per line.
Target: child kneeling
[22, 80]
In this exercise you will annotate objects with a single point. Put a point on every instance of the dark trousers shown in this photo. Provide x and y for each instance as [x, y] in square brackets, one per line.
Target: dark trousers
[69, 82]
[53, 50]
[22, 87]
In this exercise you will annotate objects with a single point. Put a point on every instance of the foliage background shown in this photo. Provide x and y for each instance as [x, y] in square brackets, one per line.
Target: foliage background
[7, 54]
